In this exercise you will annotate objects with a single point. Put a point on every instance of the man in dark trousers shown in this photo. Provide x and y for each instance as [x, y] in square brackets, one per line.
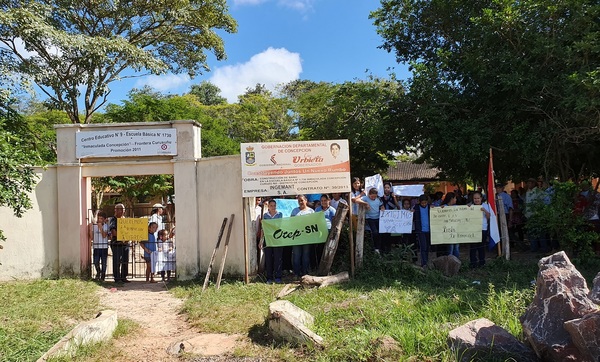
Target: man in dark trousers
[120, 249]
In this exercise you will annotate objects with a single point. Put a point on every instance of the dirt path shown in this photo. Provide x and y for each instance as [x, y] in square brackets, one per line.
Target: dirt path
[156, 311]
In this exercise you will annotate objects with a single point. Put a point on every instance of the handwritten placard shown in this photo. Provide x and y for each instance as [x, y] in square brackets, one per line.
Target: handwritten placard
[456, 224]
[132, 229]
[395, 221]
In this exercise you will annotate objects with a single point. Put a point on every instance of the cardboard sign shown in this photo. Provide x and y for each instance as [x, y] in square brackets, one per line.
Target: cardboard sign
[297, 230]
[374, 182]
[408, 190]
[456, 224]
[132, 229]
[395, 221]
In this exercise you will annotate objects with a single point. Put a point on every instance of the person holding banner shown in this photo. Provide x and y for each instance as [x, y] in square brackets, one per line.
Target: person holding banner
[421, 219]
[389, 203]
[450, 200]
[477, 250]
[273, 255]
[120, 248]
[301, 253]
[373, 205]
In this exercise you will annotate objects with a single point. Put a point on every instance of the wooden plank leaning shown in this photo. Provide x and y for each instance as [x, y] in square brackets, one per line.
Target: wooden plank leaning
[212, 258]
[331, 244]
[360, 237]
[225, 251]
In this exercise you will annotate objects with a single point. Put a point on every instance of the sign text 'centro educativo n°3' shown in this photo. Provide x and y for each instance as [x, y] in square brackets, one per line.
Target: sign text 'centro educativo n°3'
[292, 168]
[121, 143]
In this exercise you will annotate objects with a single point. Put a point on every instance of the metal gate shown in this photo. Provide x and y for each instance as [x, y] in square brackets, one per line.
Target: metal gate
[163, 260]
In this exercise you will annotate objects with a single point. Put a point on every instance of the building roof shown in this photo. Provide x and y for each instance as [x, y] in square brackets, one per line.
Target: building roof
[408, 171]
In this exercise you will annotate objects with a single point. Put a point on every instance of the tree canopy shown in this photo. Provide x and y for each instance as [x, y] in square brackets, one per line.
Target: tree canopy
[518, 76]
[17, 177]
[74, 49]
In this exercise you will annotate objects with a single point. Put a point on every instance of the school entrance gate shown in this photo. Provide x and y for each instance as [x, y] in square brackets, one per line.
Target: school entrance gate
[206, 190]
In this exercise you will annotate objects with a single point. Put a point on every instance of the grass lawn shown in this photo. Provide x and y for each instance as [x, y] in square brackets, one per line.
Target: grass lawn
[387, 298]
[35, 315]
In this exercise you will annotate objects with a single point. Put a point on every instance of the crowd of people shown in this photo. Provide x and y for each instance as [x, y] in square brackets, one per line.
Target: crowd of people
[516, 205]
[158, 248]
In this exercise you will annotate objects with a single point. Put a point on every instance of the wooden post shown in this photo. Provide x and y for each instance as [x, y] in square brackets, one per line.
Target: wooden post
[503, 229]
[331, 244]
[225, 251]
[245, 222]
[351, 235]
[360, 236]
[212, 258]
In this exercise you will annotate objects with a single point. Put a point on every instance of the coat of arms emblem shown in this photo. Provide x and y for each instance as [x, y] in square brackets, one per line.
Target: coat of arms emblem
[250, 156]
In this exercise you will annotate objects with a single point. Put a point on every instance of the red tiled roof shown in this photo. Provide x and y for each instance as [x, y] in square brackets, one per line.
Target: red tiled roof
[408, 171]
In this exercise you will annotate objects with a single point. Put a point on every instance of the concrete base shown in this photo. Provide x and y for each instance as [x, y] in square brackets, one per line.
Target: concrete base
[94, 331]
[289, 323]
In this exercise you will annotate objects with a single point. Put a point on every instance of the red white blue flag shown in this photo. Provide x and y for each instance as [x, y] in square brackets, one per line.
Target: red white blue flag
[491, 199]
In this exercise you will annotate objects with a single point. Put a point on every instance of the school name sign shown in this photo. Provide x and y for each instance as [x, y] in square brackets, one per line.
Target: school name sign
[121, 143]
[455, 224]
[293, 168]
[297, 230]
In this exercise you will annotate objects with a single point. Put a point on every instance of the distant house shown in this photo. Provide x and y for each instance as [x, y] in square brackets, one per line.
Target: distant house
[408, 173]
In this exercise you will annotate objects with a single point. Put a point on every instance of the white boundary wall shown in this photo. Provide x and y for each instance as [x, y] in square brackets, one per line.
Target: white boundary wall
[50, 240]
[31, 248]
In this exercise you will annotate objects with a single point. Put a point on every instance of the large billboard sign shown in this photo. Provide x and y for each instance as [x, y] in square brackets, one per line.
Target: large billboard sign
[292, 168]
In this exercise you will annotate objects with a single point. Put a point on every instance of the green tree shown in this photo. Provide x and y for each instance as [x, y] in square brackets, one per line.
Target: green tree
[17, 178]
[519, 76]
[208, 93]
[75, 49]
[262, 117]
[358, 111]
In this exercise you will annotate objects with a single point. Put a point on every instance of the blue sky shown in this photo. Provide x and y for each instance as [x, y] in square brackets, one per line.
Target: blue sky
[282, 40]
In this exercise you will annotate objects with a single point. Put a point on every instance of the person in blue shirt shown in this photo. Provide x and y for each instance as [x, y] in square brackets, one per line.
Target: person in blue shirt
[273, 255]
[329, 212]
[373, 205]
[421, 220]
[301, 253]
[149, 247]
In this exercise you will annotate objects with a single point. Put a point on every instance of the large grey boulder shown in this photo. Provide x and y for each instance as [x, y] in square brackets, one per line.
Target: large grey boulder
[449, 265]
[585, 333]
[481, 339]
[561, 295]
[595, 293]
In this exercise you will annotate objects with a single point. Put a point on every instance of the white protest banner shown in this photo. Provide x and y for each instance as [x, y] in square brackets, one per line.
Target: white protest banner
[132, 142]
[292, 168]
[395, 221]
[408, 190]
[374, 182]
[455, 224]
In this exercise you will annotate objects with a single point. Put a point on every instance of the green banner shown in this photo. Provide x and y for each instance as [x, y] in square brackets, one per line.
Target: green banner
[297, 230]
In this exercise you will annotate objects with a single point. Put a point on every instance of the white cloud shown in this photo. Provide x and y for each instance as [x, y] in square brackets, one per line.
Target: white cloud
[271, 67]
[164, 83]
[248, 2]
[20, 48]
[301, 5]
